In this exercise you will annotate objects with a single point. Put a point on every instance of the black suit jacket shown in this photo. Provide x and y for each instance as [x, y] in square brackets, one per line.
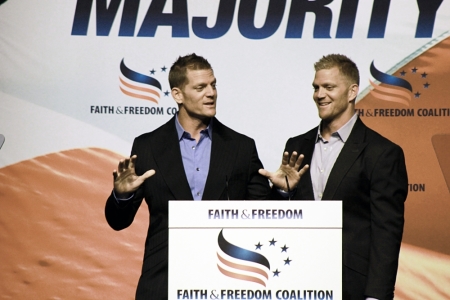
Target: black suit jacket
[234, 162]
[370, 177]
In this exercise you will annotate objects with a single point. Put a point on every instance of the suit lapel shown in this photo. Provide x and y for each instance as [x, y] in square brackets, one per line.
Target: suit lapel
[222, 161]
[352, 149]
[167, 156]
[305, 184]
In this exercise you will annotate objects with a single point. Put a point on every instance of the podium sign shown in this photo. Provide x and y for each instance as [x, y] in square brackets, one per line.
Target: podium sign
[255, 250]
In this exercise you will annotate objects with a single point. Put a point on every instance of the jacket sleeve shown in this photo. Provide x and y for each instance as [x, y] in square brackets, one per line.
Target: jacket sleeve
[257, 185]
[388, 191]
[120, 215]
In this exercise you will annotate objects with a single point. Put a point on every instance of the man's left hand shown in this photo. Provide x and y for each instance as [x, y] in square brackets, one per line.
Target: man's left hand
[289, 169]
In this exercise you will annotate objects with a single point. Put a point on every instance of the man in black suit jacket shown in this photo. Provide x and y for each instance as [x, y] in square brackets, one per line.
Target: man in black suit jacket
[165, 165]
[350, 162]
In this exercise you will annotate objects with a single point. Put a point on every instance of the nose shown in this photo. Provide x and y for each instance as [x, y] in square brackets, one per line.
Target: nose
[210, 91]
[319, 93]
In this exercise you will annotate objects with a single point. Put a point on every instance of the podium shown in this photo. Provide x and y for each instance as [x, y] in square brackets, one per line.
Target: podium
[255, 250]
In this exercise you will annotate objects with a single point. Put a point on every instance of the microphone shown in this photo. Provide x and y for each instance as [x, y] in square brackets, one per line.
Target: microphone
[288, 188]
[2, 140]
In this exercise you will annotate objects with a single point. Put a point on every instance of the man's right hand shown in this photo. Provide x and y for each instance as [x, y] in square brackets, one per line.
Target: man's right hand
[125, 179]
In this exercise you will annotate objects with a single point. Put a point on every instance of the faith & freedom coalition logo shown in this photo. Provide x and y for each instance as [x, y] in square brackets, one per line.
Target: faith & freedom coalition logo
[410, 89]
[409, 106]
[242, 264]
[137, 85]
[256, 262]
[398, 89]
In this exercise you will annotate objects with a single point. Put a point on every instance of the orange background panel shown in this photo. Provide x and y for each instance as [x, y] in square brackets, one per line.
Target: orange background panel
[427, 213]
[55, 242]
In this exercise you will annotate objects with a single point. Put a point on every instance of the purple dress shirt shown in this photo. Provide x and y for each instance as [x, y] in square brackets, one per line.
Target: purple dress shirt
[196, 157]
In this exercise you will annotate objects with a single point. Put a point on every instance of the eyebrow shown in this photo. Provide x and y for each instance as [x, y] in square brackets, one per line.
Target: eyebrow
[324, 84]
[205, 84]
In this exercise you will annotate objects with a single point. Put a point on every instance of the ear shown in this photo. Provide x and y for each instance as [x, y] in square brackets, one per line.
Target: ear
[353, 92]
[177, 95]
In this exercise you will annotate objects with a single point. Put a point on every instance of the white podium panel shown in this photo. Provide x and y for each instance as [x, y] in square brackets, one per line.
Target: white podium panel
[255, 250]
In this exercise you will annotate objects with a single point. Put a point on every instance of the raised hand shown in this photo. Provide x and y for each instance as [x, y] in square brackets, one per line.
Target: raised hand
[289, 169]
[125, 179]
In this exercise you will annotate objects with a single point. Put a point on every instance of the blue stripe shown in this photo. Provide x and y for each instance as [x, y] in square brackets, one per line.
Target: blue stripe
[137, 77]
[241, 253]
[389, 79]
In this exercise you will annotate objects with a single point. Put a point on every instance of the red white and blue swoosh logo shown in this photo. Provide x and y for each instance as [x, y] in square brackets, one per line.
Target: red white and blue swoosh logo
[243, 264]
[397, 88]
[139, 86]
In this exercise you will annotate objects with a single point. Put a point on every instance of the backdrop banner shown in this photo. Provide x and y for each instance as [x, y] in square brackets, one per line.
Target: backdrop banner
[80, 79]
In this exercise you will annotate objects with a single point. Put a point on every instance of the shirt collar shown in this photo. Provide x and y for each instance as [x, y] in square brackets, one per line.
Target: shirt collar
[181, 131]
[344, 132]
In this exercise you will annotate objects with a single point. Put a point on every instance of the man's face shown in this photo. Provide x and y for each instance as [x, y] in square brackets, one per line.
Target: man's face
[332, 94]
[199, 95]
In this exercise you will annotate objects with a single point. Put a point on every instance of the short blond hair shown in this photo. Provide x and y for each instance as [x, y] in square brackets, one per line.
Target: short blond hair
[345, 65]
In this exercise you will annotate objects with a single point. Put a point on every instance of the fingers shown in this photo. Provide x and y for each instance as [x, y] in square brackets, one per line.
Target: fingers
[264, 173]
[120, 165]
[303, 170]
[140, 180]
[123, 165]
[132, 162]
[148, 174]
[293, 159]
[127, 163]
[285, 159]
[298, 161]
[289, 160]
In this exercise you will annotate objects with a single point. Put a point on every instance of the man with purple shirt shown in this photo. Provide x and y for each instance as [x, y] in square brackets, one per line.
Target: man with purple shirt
[191, 157]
